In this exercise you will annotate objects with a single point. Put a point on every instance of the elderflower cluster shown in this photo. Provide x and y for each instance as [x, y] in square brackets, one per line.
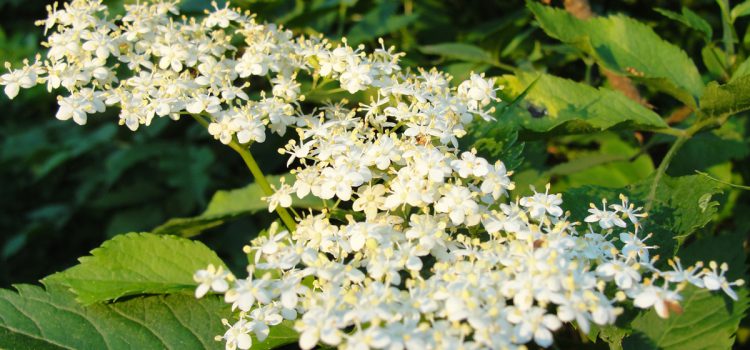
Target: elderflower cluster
[434, 254]
[151, 63]
[420, 245]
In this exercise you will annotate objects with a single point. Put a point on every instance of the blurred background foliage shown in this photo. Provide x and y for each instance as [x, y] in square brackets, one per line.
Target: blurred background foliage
[66, 188]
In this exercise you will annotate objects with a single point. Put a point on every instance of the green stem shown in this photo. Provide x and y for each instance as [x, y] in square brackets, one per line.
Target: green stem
[670, 131]
[682, 137]
[662, 169]
[252, 165]
[260, 179]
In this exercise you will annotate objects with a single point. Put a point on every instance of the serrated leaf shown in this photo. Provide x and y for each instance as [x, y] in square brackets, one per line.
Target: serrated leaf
[690, 19]
[676, 213]
[137, 263]
[228, 204]
[34, 318]
[459, 51]
[710, 319]
[730, 98]
[573, 107]
[627, 47]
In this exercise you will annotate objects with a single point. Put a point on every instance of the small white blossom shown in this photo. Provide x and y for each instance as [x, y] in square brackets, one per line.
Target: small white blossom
[212, 278]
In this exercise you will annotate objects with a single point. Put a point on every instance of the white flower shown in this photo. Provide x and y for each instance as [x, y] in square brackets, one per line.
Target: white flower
[237, 336]
[497, 181]
[715, 280]
[628, 210]
[370, 200]
[246, 292]
[661, 298]
[533, 323]
[251, 63]
[211, 278]
[268, 244]
[17, 79]
[99, 42]
[249, 129]
[541, 203]
[458, 203]
[624, 275]
[222, 129]
[370, 338]
[479, 91]
[317, 325]
[203, 102]
[356, 77]
[172, 56]
[221, 17]
[635, 246]
[285, 87]
[470, 165]
[605, 218]
[281, 196]
[692, 274]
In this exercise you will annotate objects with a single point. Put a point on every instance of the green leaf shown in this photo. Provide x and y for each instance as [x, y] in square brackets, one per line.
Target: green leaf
[708, 322]
[496, 140]
[730, 98]
[459, 51]
[380, 21]
[710, 319]
[723, 144]
[680, 207]
[137, 263]
[690, 19]
[601, 159]
[740, 10]
[572, 106]
[627, 47]
[742, 70]
[714, 58]
[33, 318]
[225, 205]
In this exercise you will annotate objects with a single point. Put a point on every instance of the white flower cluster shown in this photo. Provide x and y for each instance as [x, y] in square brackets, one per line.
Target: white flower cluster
[177, 66]
[434, 256]
[430, 251]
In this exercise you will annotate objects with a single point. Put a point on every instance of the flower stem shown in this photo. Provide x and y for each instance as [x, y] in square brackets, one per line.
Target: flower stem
[252, 165]
[260, 178]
